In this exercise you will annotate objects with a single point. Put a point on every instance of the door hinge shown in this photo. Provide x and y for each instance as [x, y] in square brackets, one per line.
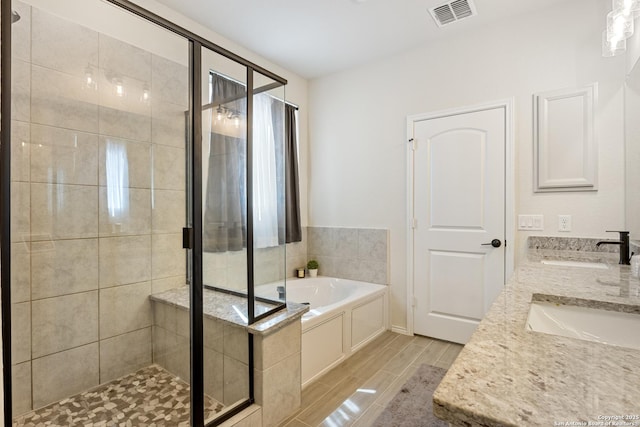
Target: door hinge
[414, 144]
[414, 223]
[187, 238]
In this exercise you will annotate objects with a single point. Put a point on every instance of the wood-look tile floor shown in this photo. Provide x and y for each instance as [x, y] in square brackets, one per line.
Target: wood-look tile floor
[355, 392]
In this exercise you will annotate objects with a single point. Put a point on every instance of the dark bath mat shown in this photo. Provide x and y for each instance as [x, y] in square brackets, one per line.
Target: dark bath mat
[412, 406]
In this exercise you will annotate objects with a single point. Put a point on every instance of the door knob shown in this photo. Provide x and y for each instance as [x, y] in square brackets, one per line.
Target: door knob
[496, 243]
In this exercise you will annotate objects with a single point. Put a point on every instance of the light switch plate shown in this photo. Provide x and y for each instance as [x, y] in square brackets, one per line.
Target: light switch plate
[531, 222]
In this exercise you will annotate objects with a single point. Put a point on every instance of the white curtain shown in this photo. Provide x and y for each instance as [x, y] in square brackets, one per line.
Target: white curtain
[265, 194]
[117, 171]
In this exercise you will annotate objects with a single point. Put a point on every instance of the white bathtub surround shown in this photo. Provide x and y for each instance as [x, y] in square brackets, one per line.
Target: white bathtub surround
[344, 316]
[351, 253]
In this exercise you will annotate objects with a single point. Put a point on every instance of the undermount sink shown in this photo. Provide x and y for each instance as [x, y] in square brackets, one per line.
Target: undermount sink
[582, 264]
[590, 324]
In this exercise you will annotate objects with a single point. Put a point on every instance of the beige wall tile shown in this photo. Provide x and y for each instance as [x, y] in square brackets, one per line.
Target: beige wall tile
[250, 417]
[346, 242]
[168, 124]
[61, 267]
[65, 374]
[21, 388]
[278, 390]
[168, 256]
[170, 81]
[183, 322]
[63, 156]
[124, 260]
[124, 354]
[236, 343]
[20, 272]
[57, 99]
[62, 45]
[120, 123]
[236, 381]
[213, 374]
[168, 211]
[20, 151]
[61, 211]
[21, 33]
[125, 99]
[124, 309]
[20, 90]
[373, 244]
[163, 343]
[124, 59]
[213, 334]
[178, 357]
[64, 322]
[168, 168]
[161, 285]
[277, 346]
[164, 316]
[138, 156]
[20, 211]
[20, 332]
[130, 215]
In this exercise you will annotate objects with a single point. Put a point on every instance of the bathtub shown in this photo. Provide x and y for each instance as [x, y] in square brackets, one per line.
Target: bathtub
[344, 316]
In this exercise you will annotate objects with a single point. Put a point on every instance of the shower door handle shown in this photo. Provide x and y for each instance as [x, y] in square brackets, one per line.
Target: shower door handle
[496, 243]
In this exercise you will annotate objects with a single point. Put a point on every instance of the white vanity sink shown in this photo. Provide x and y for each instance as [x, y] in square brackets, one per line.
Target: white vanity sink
[582, 264]
[590, 324]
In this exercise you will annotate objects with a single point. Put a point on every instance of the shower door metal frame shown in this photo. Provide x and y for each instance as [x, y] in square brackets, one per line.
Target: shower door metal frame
[196, 43]
[5, 205]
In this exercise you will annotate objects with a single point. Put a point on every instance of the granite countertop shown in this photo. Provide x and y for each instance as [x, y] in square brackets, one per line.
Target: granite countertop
[508, 376]
[232, 309]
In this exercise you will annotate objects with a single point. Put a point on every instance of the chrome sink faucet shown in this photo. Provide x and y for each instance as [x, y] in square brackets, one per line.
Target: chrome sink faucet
[624, 246]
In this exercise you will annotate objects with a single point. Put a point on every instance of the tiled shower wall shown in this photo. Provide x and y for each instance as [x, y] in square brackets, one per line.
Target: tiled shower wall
[82, 276]
[351, 253]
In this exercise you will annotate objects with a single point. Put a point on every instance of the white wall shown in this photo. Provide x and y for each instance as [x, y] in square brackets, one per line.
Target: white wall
[358, 123]
[632, 138]
[633, 48]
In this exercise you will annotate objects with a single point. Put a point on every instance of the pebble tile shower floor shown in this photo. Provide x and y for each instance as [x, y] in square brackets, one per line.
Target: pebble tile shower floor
[148, 397]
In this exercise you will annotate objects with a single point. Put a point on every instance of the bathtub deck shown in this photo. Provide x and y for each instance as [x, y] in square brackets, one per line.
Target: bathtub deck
[150, 396]
[355, 392]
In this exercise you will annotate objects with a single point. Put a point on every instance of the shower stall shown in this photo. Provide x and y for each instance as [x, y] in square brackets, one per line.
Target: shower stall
[145, 169]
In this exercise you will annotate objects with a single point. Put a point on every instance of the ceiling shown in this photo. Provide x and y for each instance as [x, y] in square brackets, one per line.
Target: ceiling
[314, 38]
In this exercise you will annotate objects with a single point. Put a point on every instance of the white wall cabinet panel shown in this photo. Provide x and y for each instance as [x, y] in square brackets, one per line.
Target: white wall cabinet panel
[565, 157]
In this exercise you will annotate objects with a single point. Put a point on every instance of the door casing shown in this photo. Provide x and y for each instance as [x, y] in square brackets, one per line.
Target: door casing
[507, 105]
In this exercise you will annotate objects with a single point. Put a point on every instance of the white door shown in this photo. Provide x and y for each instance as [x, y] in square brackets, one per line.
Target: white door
[459, 208]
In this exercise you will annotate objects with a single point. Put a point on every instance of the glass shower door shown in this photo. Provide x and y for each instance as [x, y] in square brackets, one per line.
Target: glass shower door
[224, 234]
[98, 206]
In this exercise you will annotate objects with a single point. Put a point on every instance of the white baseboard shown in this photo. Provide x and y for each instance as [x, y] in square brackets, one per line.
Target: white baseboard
[400, 330]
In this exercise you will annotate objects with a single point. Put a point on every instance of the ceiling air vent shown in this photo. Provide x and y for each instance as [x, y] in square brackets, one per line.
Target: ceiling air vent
[452, 12]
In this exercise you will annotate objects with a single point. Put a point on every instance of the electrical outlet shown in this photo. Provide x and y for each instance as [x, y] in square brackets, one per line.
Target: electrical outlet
[564, 222]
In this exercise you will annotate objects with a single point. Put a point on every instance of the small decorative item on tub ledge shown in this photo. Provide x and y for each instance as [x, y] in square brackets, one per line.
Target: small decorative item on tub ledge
[300, 272]
[312, 266]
